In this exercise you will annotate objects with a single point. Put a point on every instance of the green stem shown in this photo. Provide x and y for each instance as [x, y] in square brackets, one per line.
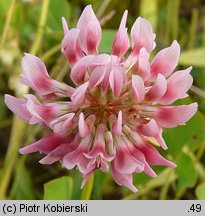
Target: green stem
[102, 8]
[200, 170]
[51, 52]
[7, 24]
[166, 186]
[168, 26]
[152, 184]
[9, 162]
[193, 28]
[197, 91]
[41, 27]
[87, 190]
[175, 19]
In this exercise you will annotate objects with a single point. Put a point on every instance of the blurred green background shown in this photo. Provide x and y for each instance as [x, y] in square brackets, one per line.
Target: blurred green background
[34, 26]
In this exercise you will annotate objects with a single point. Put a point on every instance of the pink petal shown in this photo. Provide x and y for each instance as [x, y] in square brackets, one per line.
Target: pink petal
[150, 129]
[82, 126]
[98, 156]
[100, 60]
[44, 113]
[105, 82]
[33, 66]
[142, 35]
[161, 141]
[143, 65]
[138, 88]
[117, 127]
[85, 127]
[35, 75]
[90, 31]
[97, 76]
[124, 162]
[90, 121]
[73, 158]
[59, 152]
[98, 143]
[104, 165]
[171, 116]
[78, 96]
[158, 89]
[140, 157]
[62, 123]
[79, 70]
[177, 86]
[70, 46]
[45, 145]
[61, 90]
[116, 80]
[123, 179]
[152, 155]
[65, 26]
[17, 106]
[166, 60]
[109, 143]
[121, 41]
[83, 165]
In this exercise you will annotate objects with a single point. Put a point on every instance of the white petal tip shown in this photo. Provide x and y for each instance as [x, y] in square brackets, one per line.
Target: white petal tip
[22, 151]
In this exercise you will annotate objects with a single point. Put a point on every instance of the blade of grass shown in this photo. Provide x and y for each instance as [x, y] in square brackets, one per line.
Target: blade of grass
[102, 8]
[198, 91]
[17, 132]
[51, 52]
[175, 19]
[41, 26]
[7, 24]
[193, 28]
[168, 22]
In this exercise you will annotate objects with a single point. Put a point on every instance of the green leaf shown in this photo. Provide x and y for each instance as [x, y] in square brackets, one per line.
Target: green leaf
[186, 172]
[57, 10]
[107, 40]
[77, 181]
[191, 134]
[22, 188]
[200, 191]
[193, 57]
[58, 189]
[102, 184]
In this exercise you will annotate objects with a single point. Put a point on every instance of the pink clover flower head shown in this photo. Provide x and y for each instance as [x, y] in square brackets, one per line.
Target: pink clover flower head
[118, 108]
